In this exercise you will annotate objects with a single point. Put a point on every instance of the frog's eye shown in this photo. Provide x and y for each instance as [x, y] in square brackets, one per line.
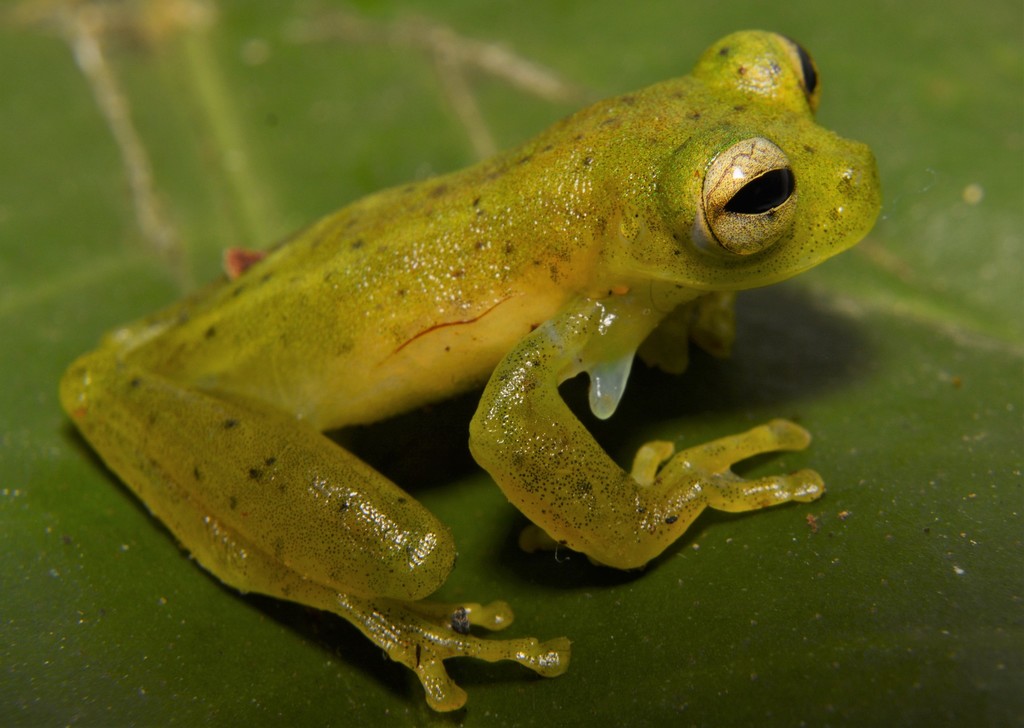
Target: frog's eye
[749, 196]
[808, 71]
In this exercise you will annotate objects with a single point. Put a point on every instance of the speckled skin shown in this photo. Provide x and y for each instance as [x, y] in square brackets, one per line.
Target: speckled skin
[559, 257]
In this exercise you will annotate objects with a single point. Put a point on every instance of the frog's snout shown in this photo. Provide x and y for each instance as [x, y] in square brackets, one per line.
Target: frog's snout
[862, 191]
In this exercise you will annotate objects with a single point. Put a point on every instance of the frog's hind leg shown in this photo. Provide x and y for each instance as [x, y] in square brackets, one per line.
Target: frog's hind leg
[269, 505]
[214, 467]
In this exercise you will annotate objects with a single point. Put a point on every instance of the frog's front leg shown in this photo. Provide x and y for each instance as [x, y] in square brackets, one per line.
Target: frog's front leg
[550, 467]
[268, 504]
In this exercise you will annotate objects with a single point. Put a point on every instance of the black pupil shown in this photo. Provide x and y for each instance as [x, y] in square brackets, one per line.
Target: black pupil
[765, 193]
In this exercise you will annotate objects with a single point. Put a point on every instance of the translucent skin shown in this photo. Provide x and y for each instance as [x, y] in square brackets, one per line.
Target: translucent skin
[611, 232]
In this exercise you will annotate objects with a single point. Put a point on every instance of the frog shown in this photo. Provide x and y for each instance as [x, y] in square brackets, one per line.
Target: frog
[623, 231]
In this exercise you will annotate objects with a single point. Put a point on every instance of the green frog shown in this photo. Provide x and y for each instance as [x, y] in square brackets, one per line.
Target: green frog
[624, 229]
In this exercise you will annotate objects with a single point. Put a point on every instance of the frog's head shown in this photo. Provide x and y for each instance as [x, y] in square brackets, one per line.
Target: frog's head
[758, 191]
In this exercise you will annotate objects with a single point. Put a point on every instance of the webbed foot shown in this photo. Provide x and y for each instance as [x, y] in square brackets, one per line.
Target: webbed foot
[421, 635]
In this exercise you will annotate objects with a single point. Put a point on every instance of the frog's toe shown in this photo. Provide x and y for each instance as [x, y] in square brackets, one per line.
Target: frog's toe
[736, 495]
[460, 616]
[548, 659]
[718, 456]
[493, 616]
[805, 486]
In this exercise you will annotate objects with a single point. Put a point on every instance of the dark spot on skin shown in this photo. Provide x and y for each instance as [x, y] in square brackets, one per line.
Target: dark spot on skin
[345, 347]
[671, 519]
[401, 500]
[357, 244]
[255, 473]
[524, 160]
[741, 70]
[438, 191]
[694, 115]
[417, 655]
[534, 327]
[210, 332]
[476, 202]
[238, 290]
[230, 424]
[282, 487]
[135, 383]
[66, 540]
[402, 292]
[739, 107]
[480, 245]
[588, 161]
[266, 277]
[508, 248]
[809, 149]
[460, 621]
[457, 273]
[232, 503]
[629, 100]
[196, 474]
[183, 317]
[270, 461]
[343, 506]
[577, 137]
[726, 50]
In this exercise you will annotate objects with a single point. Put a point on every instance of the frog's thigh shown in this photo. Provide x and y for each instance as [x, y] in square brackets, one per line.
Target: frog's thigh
[252, 492]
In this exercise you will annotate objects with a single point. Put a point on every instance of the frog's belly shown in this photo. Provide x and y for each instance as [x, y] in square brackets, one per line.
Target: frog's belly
[382, 377]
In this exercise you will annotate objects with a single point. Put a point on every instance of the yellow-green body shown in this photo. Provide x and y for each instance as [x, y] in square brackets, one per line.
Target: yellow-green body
[562, 256]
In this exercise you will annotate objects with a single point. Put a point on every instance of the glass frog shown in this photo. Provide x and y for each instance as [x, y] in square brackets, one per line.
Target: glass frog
[626, 228]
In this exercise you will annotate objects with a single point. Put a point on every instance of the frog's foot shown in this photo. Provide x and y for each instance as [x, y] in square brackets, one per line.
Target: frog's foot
[703, 473]
[421, 635]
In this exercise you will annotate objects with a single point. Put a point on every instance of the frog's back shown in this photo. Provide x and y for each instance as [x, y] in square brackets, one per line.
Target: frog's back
[404, 297]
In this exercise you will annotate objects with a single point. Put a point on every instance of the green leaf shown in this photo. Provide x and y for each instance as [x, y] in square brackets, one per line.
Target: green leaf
[894, 599]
